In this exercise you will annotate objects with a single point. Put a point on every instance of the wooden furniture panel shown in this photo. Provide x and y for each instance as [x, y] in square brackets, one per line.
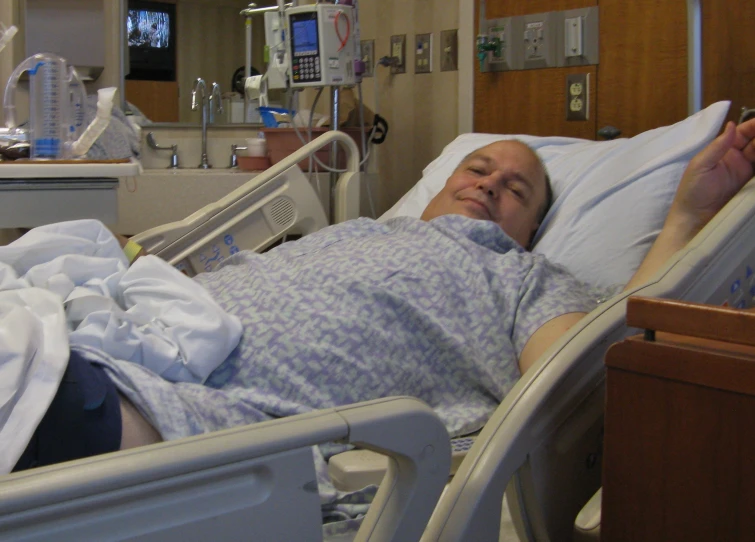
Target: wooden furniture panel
[642, 79]
[512, 8]
[728, 54]
[530, 102]
[158, 100]
[678, 441]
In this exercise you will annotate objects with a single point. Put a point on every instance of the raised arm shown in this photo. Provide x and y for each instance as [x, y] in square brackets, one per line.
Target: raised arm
[712, 178]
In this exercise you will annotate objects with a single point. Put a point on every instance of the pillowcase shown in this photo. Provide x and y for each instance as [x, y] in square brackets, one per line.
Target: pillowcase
[610, 197]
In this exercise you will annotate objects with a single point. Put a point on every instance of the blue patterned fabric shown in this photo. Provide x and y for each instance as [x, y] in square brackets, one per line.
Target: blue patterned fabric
[438, 310]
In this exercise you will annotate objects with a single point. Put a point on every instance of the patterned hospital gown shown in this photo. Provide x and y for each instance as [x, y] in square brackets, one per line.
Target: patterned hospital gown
[438, 310]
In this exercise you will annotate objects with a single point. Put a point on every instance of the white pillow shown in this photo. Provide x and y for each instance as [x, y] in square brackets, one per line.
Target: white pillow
[610, 197]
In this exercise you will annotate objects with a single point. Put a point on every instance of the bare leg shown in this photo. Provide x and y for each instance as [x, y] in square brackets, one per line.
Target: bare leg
[136, 430]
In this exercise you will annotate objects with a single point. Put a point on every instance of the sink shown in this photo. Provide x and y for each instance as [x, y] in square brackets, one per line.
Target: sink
[187, 171]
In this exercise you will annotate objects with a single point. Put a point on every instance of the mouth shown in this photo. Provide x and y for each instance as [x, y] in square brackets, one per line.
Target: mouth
[479, 206]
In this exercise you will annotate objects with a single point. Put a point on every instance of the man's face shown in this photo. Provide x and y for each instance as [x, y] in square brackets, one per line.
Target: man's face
[503, 182]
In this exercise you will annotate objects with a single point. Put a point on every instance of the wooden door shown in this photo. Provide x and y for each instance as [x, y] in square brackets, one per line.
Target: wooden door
[642, 75]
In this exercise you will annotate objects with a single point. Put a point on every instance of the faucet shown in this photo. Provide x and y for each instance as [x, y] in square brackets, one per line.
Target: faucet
[199, 85]
[215, 96]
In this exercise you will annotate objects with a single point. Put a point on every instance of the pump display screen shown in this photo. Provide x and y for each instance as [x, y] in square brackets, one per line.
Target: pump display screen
[304, 34]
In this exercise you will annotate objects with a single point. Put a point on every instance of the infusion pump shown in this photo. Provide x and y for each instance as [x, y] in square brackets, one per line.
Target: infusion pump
[321, 45]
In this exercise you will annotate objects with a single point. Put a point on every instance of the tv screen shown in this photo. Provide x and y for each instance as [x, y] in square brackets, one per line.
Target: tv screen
[148, 29]
[151, 31]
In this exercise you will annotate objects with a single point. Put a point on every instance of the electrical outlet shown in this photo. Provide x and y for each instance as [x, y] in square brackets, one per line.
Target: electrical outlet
[578, 96]
[368, 57]
[449, 51]
[423, 53]
[398, 53]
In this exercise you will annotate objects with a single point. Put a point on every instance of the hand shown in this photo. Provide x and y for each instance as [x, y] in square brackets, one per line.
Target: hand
[715, 175]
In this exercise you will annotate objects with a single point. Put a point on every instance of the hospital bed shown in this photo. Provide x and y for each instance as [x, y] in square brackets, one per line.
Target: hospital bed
[543, 446]
[543, 441]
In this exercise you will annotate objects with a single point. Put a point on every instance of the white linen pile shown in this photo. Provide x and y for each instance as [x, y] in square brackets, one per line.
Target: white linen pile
[69, 284]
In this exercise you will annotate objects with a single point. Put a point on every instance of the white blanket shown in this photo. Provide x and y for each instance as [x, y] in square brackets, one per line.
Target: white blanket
[70, 283]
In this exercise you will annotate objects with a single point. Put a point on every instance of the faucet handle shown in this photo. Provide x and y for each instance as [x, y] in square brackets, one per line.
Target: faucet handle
[234, 156]
[173, 148]
[217, 93]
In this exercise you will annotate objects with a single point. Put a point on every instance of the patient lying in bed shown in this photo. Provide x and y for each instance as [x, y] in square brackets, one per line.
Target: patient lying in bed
[450, 309]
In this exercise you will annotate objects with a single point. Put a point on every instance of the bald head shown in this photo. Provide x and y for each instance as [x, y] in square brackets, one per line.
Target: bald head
[504, 182]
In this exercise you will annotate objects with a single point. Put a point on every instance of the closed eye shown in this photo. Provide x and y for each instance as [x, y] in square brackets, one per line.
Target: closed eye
[519, 191]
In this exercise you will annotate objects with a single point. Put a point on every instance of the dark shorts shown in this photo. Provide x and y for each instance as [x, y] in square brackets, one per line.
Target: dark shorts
[84, 418]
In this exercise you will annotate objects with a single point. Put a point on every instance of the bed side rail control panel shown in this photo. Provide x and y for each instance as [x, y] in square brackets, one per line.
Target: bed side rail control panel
[251, 218]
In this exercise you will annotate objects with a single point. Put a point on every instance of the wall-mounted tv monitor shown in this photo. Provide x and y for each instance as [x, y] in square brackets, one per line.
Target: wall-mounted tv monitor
[151, 34]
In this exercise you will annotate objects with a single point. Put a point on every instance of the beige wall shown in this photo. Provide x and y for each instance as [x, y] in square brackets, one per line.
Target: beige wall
[420, 109]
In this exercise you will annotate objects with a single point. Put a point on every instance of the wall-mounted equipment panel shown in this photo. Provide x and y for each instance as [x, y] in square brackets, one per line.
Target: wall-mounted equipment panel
[497, 48]
[578, 37]
[540, 40]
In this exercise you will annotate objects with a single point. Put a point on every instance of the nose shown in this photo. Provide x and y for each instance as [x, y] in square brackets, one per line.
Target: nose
[488, 185]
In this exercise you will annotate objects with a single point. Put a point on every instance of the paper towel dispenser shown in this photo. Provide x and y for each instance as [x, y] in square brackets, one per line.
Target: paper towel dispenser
[73, 29]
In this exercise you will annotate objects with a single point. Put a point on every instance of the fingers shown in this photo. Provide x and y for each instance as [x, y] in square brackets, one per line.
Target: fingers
[746, 132]
[745, 140]
[711, 155]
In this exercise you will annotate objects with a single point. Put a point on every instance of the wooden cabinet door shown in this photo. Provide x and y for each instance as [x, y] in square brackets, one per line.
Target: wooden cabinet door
[158, 100]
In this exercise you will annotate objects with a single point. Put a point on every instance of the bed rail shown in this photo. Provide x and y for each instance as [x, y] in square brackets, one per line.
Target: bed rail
[253, 482]
[277, 202]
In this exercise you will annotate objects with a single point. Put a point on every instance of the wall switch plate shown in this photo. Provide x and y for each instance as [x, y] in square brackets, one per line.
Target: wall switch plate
[398, 53]
[573, 37]
[368, 57]
[577, 42]
[449, 50]
[578, 96]
[423, 53]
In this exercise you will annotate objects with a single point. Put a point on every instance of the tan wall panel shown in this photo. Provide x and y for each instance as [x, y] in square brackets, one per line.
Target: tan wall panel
[642, 79]
[729, 55]
[511, 8]
[421, 109]
[530, 102]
